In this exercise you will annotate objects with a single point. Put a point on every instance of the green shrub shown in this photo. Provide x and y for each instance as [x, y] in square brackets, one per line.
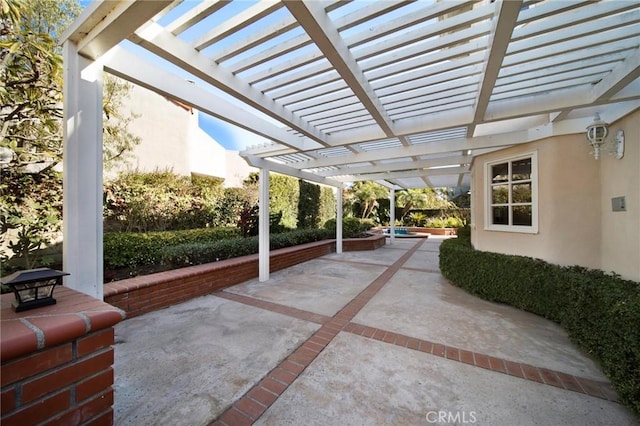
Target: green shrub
[600, 312]
[161, 201]
[132, 249]
[351, 227]
[194, 253]
[443, 222]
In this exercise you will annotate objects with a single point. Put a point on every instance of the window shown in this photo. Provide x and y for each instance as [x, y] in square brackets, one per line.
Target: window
[512, 195]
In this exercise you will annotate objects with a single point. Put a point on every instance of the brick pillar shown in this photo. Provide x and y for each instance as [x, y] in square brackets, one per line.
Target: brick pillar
[57, 362]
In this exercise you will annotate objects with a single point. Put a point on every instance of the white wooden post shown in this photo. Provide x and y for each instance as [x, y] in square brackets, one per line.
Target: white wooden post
[82, 175]
[339, 220]
[263, 227]
[392, 216]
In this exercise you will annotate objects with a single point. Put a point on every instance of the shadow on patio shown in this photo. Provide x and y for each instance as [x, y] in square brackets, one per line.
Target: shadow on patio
[355, 338]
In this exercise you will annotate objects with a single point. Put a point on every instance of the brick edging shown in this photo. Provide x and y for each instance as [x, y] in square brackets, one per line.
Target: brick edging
[147, 293]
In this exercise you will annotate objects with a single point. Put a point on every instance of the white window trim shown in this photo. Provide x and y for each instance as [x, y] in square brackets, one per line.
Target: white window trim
[488, 226]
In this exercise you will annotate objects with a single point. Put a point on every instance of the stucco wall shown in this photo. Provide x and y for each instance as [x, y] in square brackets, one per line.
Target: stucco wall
[576, 223]
[621, 230]
[164, 128]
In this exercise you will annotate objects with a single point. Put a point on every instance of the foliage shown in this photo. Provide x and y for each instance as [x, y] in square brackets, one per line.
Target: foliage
[161, 200]
[308, 205]
[117, 141]
[296, 200]
[134, 249]
[283, 198]
[327, 204]
[249, 222]
[463, 200]
[31, 91]
[197, 253]
[423, 198]
[600, 312]
[28, 221]
[183, 248]
[352, 227]
[363, 197]
[31, 122]
[443, 222]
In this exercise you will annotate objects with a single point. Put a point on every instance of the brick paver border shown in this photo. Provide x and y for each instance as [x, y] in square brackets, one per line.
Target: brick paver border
[258, 399]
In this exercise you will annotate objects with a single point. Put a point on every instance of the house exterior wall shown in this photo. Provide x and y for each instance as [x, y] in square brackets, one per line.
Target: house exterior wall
[575, 223]
[621, 230]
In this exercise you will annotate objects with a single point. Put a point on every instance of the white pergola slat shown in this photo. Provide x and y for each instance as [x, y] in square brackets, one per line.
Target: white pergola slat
[391, 91]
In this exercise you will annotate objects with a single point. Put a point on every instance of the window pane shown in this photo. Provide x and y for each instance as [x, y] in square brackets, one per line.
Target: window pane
[522, 216]
[522, 193]
[500, 173]
[500, 215]
[521, 169]
[499, 194]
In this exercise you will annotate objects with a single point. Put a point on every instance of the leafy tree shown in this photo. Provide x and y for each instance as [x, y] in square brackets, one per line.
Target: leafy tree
[308, 205]
[366, 196]
[422, 198]
[117, 141]
[31, 121]
[411, 198]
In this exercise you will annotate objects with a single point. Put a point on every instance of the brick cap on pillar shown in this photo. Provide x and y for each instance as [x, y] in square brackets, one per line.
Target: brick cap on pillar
[74, 315]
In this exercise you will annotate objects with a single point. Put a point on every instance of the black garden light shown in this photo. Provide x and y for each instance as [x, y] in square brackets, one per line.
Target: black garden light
[33, 288]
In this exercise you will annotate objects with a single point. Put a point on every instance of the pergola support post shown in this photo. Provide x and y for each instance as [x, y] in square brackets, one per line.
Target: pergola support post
[82, 174]
[392, 216]
[339, 220]
[263, 228]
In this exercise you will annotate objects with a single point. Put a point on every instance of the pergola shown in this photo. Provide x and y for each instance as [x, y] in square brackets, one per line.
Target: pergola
[404, 93]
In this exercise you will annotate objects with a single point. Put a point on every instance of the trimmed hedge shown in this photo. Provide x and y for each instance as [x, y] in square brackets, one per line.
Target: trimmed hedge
[203, 252]
[133, 249]
[192, 247]
[600, 312]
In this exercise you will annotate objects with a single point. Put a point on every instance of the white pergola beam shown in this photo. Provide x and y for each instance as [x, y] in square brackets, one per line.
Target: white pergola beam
[316, 23]
[238, 22]
[406, 174]
[195, 15]
[619, 78]
[110, 23]
[288, 170]
[138, 71]
[164, 44]
[404, 165]
[503, 25]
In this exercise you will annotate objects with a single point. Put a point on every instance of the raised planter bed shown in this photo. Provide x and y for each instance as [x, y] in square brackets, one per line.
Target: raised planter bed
[147, 293]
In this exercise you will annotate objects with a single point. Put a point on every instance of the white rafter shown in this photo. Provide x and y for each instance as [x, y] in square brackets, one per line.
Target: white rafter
[392, 91]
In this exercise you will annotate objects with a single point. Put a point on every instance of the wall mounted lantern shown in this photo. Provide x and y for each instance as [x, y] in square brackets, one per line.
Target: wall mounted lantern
[596, 134]
[33, 288]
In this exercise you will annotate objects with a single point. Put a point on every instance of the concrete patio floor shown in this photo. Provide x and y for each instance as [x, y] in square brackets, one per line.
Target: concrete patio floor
[358, 338]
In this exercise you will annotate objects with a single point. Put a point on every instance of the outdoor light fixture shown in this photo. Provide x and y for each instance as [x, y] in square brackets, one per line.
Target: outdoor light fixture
[596, 134]
[33, 288]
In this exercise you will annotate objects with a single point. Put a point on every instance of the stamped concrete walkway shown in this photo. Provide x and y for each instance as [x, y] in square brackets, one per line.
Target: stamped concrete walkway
[359, 338]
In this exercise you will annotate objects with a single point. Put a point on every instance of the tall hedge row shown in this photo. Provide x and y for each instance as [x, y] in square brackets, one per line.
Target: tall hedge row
[600, 312]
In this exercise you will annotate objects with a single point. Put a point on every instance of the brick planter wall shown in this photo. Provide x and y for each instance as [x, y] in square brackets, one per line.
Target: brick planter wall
[57, 362]
[147, 293]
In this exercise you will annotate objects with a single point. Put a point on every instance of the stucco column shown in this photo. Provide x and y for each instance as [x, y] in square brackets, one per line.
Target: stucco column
[82, 177]
[339, 220]
[263, 226]
[392, 216]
